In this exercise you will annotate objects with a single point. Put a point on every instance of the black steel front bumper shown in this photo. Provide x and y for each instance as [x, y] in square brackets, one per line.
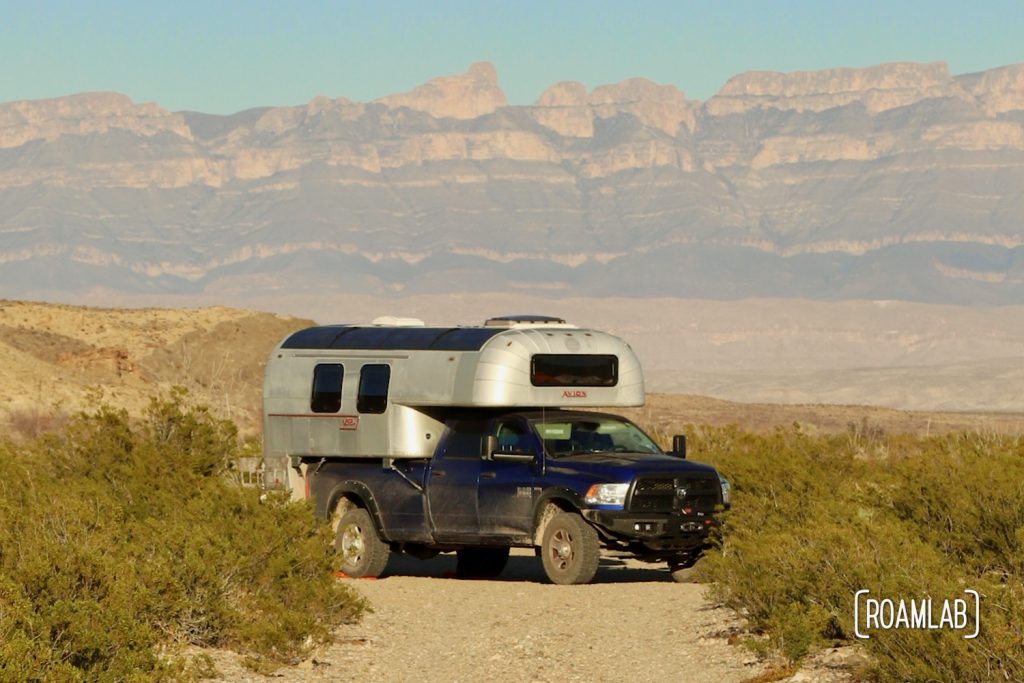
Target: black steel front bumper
[658, 532]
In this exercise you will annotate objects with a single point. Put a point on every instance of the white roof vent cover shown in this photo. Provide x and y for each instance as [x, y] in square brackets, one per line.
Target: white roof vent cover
[394, 321]
[521, 321]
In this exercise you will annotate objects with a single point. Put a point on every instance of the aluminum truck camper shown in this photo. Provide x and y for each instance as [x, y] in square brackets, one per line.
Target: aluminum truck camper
[474, 439]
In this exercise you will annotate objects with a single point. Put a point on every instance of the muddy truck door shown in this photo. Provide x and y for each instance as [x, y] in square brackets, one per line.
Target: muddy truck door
[506, 494]
[452, 482]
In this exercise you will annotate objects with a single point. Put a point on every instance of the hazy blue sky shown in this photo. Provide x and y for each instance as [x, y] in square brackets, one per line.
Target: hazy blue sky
[221, 56]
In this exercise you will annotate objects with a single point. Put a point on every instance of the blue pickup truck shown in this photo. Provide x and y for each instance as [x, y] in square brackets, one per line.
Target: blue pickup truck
[568, 483]
[473, 440]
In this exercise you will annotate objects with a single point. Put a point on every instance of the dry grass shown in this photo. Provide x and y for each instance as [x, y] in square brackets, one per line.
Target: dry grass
[28, 424]
[57, 359]
[775, 672]
[671, 413]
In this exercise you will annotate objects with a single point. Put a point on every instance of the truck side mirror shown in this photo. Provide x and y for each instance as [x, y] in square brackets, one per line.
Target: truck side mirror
[679, 446]
[491, 452]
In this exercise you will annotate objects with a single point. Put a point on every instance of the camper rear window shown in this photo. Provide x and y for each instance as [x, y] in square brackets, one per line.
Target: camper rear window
[373, 388]
[574, 370]
[327, 378]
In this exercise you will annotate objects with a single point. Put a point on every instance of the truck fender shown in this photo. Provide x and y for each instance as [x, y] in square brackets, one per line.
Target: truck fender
[550, 502]
[358, 495]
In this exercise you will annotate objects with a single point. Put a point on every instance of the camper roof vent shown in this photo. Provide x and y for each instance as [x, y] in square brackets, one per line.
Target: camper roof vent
[394, 321]
[517, 321]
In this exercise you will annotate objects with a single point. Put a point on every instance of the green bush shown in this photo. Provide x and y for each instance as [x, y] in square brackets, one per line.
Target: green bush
[120, 541]
[816, 518]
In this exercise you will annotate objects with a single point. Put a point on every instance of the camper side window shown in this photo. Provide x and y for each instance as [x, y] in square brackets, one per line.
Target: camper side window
[373, 388]
[327, 379]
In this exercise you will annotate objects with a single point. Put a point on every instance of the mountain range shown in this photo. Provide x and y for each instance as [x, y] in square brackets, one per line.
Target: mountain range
[894, 182]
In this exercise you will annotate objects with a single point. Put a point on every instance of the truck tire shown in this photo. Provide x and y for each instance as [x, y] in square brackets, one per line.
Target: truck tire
[480, 563]
[684, 569]
[362, 551]
[570, 549]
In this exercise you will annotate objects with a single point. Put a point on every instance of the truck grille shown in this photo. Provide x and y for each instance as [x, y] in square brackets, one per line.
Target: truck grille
[671, 494]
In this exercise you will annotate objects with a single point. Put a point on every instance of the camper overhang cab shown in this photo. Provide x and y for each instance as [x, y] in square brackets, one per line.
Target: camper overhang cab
[378, 390]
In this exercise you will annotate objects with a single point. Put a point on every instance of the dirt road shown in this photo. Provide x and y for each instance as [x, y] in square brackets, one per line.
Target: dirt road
[631, 623]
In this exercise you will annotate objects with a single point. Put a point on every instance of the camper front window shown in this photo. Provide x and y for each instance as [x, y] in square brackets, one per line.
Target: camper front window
[574, 370]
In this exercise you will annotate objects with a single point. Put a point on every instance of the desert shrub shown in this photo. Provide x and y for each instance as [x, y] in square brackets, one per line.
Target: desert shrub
[31, 422]
[120, 541]
[816, 518]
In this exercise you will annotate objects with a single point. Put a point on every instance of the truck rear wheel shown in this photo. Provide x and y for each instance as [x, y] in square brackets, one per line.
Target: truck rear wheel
[362, 551]
[480, 563]
[570, 549]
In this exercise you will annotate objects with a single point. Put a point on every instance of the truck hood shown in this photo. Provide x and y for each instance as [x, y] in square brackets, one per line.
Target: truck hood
[611, 467]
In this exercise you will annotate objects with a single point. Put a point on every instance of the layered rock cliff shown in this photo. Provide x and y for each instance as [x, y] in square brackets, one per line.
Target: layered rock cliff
[894, 181]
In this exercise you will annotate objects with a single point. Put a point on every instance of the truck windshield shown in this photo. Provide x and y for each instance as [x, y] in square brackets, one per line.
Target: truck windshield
[591, 434]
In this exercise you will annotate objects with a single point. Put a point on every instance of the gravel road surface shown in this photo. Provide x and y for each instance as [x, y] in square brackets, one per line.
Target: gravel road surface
[632, 623]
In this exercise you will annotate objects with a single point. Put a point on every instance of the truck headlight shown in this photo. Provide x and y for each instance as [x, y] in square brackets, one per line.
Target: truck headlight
[726, 491]
[607, 494]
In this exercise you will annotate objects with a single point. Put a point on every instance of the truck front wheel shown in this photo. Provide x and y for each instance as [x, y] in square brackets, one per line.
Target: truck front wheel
[569, 549]
[683, 568]
[362, 551]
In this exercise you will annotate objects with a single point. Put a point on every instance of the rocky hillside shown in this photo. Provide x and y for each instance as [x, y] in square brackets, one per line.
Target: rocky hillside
[900, 181]
[56, 360]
